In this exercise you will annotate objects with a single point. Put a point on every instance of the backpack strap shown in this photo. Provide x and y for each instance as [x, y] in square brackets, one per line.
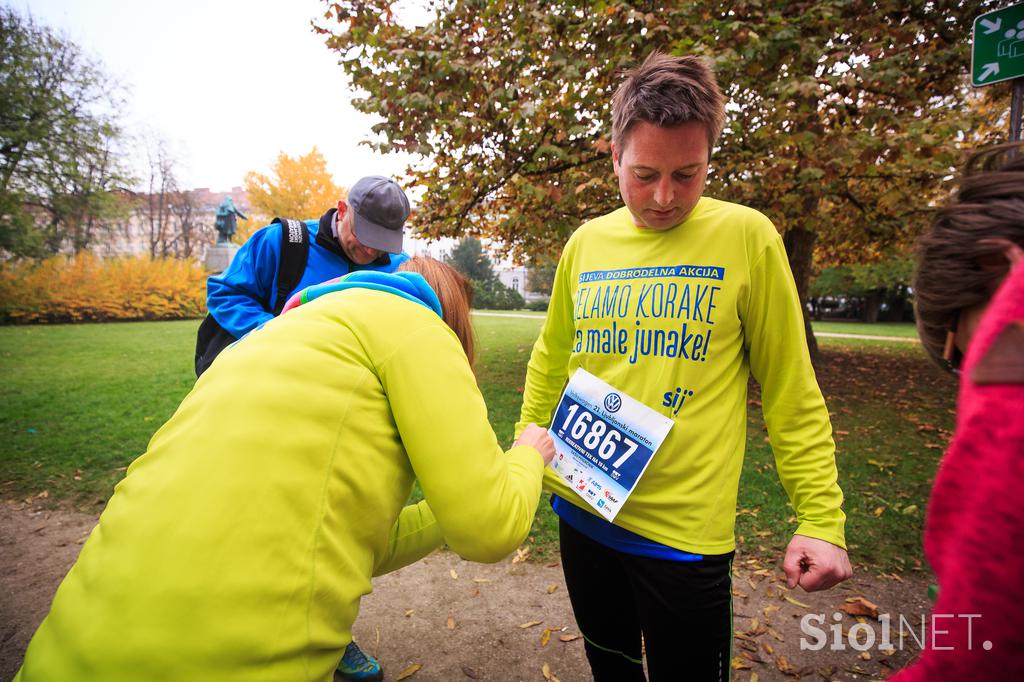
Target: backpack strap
[294, 254]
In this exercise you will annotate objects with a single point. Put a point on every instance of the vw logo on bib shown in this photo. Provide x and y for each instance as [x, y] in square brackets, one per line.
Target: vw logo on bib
[612, 402]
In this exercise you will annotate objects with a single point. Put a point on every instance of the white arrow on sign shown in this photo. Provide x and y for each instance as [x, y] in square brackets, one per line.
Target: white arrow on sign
[991, 27]
[991, 69]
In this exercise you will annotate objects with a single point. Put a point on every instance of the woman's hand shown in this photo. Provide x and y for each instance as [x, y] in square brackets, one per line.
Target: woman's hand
[538, 438]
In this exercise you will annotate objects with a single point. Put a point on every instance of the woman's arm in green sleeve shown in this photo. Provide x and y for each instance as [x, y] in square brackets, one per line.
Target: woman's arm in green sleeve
[483, 499]
[414, 535]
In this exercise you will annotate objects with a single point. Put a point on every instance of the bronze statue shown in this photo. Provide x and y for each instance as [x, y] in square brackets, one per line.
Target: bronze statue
[225, 222]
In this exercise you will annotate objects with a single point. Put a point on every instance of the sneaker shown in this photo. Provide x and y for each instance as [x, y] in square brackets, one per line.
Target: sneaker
[357, 666]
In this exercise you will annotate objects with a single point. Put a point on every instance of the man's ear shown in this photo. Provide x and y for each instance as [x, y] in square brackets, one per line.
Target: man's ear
[342, 208]
[615, 159]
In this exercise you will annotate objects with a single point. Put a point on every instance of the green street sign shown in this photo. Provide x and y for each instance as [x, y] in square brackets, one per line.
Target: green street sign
[998, 46]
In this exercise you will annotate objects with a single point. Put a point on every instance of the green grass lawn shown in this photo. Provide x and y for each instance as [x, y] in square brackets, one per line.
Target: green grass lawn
[79, 402]
[903, 329]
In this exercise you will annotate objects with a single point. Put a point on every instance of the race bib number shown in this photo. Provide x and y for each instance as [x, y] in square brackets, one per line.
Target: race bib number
[604, 440]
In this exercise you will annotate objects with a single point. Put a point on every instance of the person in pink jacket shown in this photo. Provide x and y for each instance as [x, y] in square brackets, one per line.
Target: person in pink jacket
[969, 298]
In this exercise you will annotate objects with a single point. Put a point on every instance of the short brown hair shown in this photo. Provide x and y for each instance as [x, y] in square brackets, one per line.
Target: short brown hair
[952, 271]
[668, 91]
[455, 293]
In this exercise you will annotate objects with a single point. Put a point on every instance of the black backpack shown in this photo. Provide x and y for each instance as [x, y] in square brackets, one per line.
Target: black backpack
[212, 338]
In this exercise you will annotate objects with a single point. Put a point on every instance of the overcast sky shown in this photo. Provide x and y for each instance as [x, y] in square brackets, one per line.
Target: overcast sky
[228, 83]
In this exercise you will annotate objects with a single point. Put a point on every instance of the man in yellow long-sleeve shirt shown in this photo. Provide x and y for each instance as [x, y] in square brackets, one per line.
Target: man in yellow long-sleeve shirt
[674, 300]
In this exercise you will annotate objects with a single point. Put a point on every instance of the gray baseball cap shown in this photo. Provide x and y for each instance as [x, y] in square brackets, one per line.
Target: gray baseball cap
[381, 209]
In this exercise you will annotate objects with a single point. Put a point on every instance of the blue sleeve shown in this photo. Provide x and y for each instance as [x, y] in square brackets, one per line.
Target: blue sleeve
[238, 298]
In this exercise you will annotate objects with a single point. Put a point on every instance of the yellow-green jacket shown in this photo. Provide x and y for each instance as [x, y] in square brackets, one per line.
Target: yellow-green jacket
[238, 546]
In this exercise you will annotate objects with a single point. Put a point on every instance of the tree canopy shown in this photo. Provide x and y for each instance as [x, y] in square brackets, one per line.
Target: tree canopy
[299, 187]
[469, 258]
[884, 280]
[60, 170]
[171, 218]
[845, 117]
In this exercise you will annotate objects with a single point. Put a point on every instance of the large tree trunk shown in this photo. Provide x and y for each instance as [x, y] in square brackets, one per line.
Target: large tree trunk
[872, 305]
[799, 245]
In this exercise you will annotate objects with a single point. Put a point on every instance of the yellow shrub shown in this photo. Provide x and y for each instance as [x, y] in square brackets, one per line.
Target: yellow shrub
[85, 288]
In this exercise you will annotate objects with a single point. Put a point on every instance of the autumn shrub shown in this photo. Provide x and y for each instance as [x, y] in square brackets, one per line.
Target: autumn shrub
[84, 288]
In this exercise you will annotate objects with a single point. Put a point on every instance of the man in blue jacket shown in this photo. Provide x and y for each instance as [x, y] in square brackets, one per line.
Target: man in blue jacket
[364, 232]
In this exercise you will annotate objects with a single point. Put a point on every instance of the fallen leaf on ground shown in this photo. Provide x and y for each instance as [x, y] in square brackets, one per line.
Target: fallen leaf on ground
[548, 675]
[739, 664]
[545, 637]
[569, 638]
[521, 555]
[784, 666]
[453, 574]
[859, 606]
[481, 580]
[552, 587]
[409, 612]
[451, 622]
[797, 603]
[469, 672]
[408, 672]
[747, 644]
[530, 624]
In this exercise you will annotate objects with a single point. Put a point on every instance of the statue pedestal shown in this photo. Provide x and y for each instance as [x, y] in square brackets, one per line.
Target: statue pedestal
[218, 257]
